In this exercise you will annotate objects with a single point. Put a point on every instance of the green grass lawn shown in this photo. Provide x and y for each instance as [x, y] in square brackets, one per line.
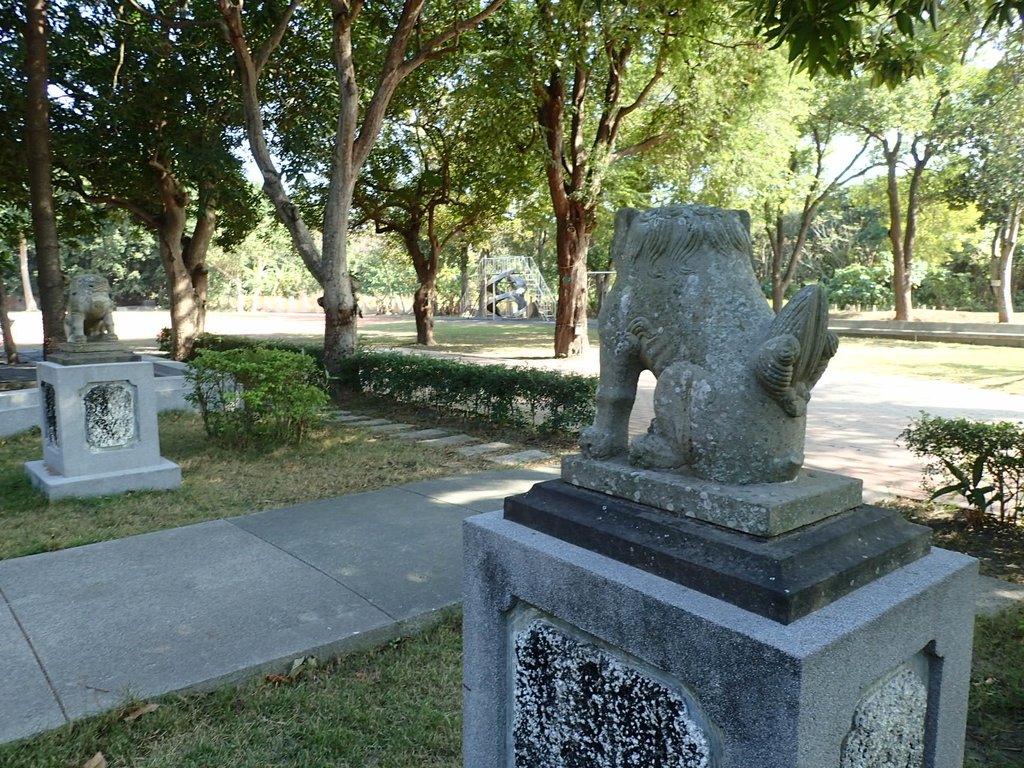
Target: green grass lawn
[997, 368]
[216, 482]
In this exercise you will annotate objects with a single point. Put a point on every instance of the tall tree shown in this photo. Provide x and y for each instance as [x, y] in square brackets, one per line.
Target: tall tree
[398, 42]
[811, 180]
[40, 174]
[437, 171]
[601, 80]
[146, 122]
[991, 170]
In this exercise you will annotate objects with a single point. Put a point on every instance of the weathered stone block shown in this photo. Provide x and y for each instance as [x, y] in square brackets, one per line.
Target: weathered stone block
[762, 509]
[100, 431]
[882, 671]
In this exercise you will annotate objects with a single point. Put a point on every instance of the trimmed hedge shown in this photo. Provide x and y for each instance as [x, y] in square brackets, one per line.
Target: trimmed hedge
[518, 397]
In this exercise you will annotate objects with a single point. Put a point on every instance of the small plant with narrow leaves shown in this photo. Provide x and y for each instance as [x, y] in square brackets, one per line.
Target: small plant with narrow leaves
[983, 462]
[254, 396]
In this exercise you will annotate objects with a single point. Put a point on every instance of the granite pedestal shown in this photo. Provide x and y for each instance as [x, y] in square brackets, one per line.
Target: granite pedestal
[100, 432]
[574, 658]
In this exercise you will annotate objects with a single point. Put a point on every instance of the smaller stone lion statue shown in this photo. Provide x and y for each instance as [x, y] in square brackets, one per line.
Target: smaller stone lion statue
[89, 311]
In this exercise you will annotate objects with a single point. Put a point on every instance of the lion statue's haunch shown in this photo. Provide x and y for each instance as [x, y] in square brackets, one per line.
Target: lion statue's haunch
[733, 379]
[89, 310]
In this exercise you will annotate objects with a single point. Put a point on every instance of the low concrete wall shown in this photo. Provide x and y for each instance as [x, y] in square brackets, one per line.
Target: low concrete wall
[992, 334]
[19, 410]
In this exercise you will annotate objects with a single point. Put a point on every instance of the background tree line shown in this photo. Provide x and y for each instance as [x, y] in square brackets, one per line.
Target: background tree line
[877, 145]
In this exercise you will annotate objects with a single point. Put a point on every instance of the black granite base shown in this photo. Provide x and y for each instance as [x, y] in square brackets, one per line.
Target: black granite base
[782, 578]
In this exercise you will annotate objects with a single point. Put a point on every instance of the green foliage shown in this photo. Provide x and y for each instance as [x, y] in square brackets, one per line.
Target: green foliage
[981, 461]
[519, 397]
[255, 396]
[858, 285]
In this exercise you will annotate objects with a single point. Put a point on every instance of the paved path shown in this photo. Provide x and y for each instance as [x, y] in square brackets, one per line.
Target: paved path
[853, 420]
[218, 601]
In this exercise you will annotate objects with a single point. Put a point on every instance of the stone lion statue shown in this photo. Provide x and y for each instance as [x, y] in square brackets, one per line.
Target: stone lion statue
[89, 311]
[733, 379]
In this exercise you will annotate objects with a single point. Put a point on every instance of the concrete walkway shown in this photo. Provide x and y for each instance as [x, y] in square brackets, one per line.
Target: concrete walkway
[190, 607]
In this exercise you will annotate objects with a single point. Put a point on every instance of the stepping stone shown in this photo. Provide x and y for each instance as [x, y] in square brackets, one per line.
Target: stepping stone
[476, 450]
[368, 423]
[344, 417]
[523, 457]
[422, 434]
[387, 428]
[451, 440]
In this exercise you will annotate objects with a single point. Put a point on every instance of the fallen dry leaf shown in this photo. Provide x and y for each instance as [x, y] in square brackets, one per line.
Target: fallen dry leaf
[145, 709]
[96, 761]
[280, 679]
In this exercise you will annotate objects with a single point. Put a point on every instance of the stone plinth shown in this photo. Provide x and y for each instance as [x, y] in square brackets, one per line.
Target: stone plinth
[782, 578]
[762, 509]
[92, 353]
[100, 432]
[573, 658]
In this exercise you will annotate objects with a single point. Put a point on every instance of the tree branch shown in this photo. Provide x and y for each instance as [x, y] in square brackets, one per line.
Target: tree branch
[271, 43]
[248, 76]
[430, 51]
[641, 146]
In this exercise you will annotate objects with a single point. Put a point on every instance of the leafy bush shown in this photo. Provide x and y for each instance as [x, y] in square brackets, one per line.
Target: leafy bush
[981, 461]
[950, 290]
[858, 285]
[520, 397]
[256, 396]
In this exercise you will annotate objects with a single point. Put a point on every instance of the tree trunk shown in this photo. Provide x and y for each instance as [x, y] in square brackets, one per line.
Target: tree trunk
[426, 273]
[338, 301]
[900, 265]
[26, 277]
[10, 349]
[464, 280]
[572, 239]
[777, 240]
[184, 261]
[1002, 272]
[40, 178]
[423, 310]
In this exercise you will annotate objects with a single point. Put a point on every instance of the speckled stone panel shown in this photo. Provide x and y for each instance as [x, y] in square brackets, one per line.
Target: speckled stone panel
[889, 724]
[50, 433]
[577, 704]
[110, 420]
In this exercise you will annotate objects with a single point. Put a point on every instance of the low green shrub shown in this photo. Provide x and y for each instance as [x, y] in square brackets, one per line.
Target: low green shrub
[254, 395]
[517, 397]
[981, 461]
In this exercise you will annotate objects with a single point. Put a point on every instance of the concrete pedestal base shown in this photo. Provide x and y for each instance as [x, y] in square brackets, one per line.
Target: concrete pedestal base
[100, 433]
[572, 658]
[165, 475]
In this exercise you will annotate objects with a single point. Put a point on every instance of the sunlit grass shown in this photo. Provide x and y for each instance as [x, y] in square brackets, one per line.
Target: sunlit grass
[997, 368]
